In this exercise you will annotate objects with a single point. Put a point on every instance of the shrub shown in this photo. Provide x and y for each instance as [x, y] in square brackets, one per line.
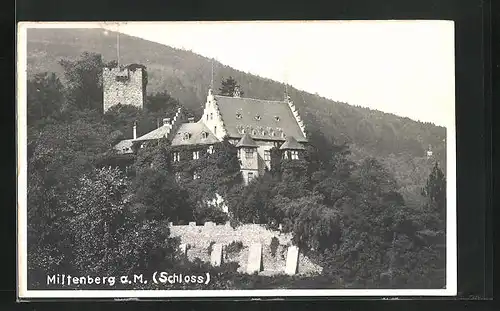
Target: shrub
[274, 246]
[234, 247]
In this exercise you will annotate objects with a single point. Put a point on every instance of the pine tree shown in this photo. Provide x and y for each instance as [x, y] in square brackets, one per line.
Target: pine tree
[83, 81]
[228, 87]
[435, 192]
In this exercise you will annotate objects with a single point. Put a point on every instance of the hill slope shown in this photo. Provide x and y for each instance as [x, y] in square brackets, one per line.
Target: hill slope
[186, 76]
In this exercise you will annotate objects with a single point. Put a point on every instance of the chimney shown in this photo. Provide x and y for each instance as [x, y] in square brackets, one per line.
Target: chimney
[135, 130]
[191, 119]
[166, 121]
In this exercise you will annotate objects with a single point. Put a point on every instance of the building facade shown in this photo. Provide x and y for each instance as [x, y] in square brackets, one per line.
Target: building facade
[253, 126]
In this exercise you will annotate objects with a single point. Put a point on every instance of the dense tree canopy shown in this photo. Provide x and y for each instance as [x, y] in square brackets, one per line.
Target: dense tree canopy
[229, 86]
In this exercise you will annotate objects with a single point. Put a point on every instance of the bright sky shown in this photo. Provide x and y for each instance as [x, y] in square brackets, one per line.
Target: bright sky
[401, 67]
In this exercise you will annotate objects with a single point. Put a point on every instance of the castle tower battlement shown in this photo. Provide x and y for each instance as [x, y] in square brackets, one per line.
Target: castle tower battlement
[123, 86]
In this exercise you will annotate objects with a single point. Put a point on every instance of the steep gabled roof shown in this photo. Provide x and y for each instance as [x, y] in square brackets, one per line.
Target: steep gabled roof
[291, 144]
[263, 119]
[124, 146]
[195, 135]
[158, 133]
[246, 141]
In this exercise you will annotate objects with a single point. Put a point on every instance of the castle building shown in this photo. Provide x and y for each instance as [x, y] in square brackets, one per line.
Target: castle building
[123, 85]
[254, 126]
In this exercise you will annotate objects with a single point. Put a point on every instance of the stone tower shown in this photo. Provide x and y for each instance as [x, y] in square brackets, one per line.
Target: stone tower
[123, 86]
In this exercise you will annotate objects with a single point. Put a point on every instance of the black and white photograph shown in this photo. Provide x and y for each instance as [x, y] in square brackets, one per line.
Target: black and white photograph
[236, 159]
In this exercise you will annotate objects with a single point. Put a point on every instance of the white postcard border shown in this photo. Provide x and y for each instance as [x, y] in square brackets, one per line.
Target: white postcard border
[24, 293]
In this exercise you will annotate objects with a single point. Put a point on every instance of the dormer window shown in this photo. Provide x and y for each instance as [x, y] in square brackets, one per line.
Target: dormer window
[273, 134]
[283, 135]
[238, 115]
[264, 133]
[276, 118]
[254, 132]
[243, 131]
[257, 117]
[187, 136]
[204, 135]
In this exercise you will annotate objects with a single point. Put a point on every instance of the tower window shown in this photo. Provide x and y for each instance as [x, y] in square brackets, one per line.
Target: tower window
[294, 154]
[196, 155]
[267, 155]
[250, 176]
[207, 117]
[248, 153]
[215, 130]
[211, 116]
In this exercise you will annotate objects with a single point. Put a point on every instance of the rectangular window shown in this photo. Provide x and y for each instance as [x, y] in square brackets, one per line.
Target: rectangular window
[178, 176]
[210, 149]
[250, 176]
[285, 155]
[248, 153]
[196, 176]
[196, 155]
[267, 155]
[295, 155]
[177, 157]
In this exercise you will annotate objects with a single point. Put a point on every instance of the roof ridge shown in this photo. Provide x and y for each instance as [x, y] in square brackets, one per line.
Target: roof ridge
[259, 99]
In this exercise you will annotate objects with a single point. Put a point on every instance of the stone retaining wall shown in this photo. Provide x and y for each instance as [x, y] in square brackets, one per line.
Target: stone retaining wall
[199, 238]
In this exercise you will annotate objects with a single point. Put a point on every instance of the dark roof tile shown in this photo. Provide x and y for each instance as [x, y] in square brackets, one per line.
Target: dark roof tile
[246, 141]
[291, 144]
[263, 119]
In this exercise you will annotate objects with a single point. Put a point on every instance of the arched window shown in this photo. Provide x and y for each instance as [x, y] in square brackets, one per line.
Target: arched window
[215, 130]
